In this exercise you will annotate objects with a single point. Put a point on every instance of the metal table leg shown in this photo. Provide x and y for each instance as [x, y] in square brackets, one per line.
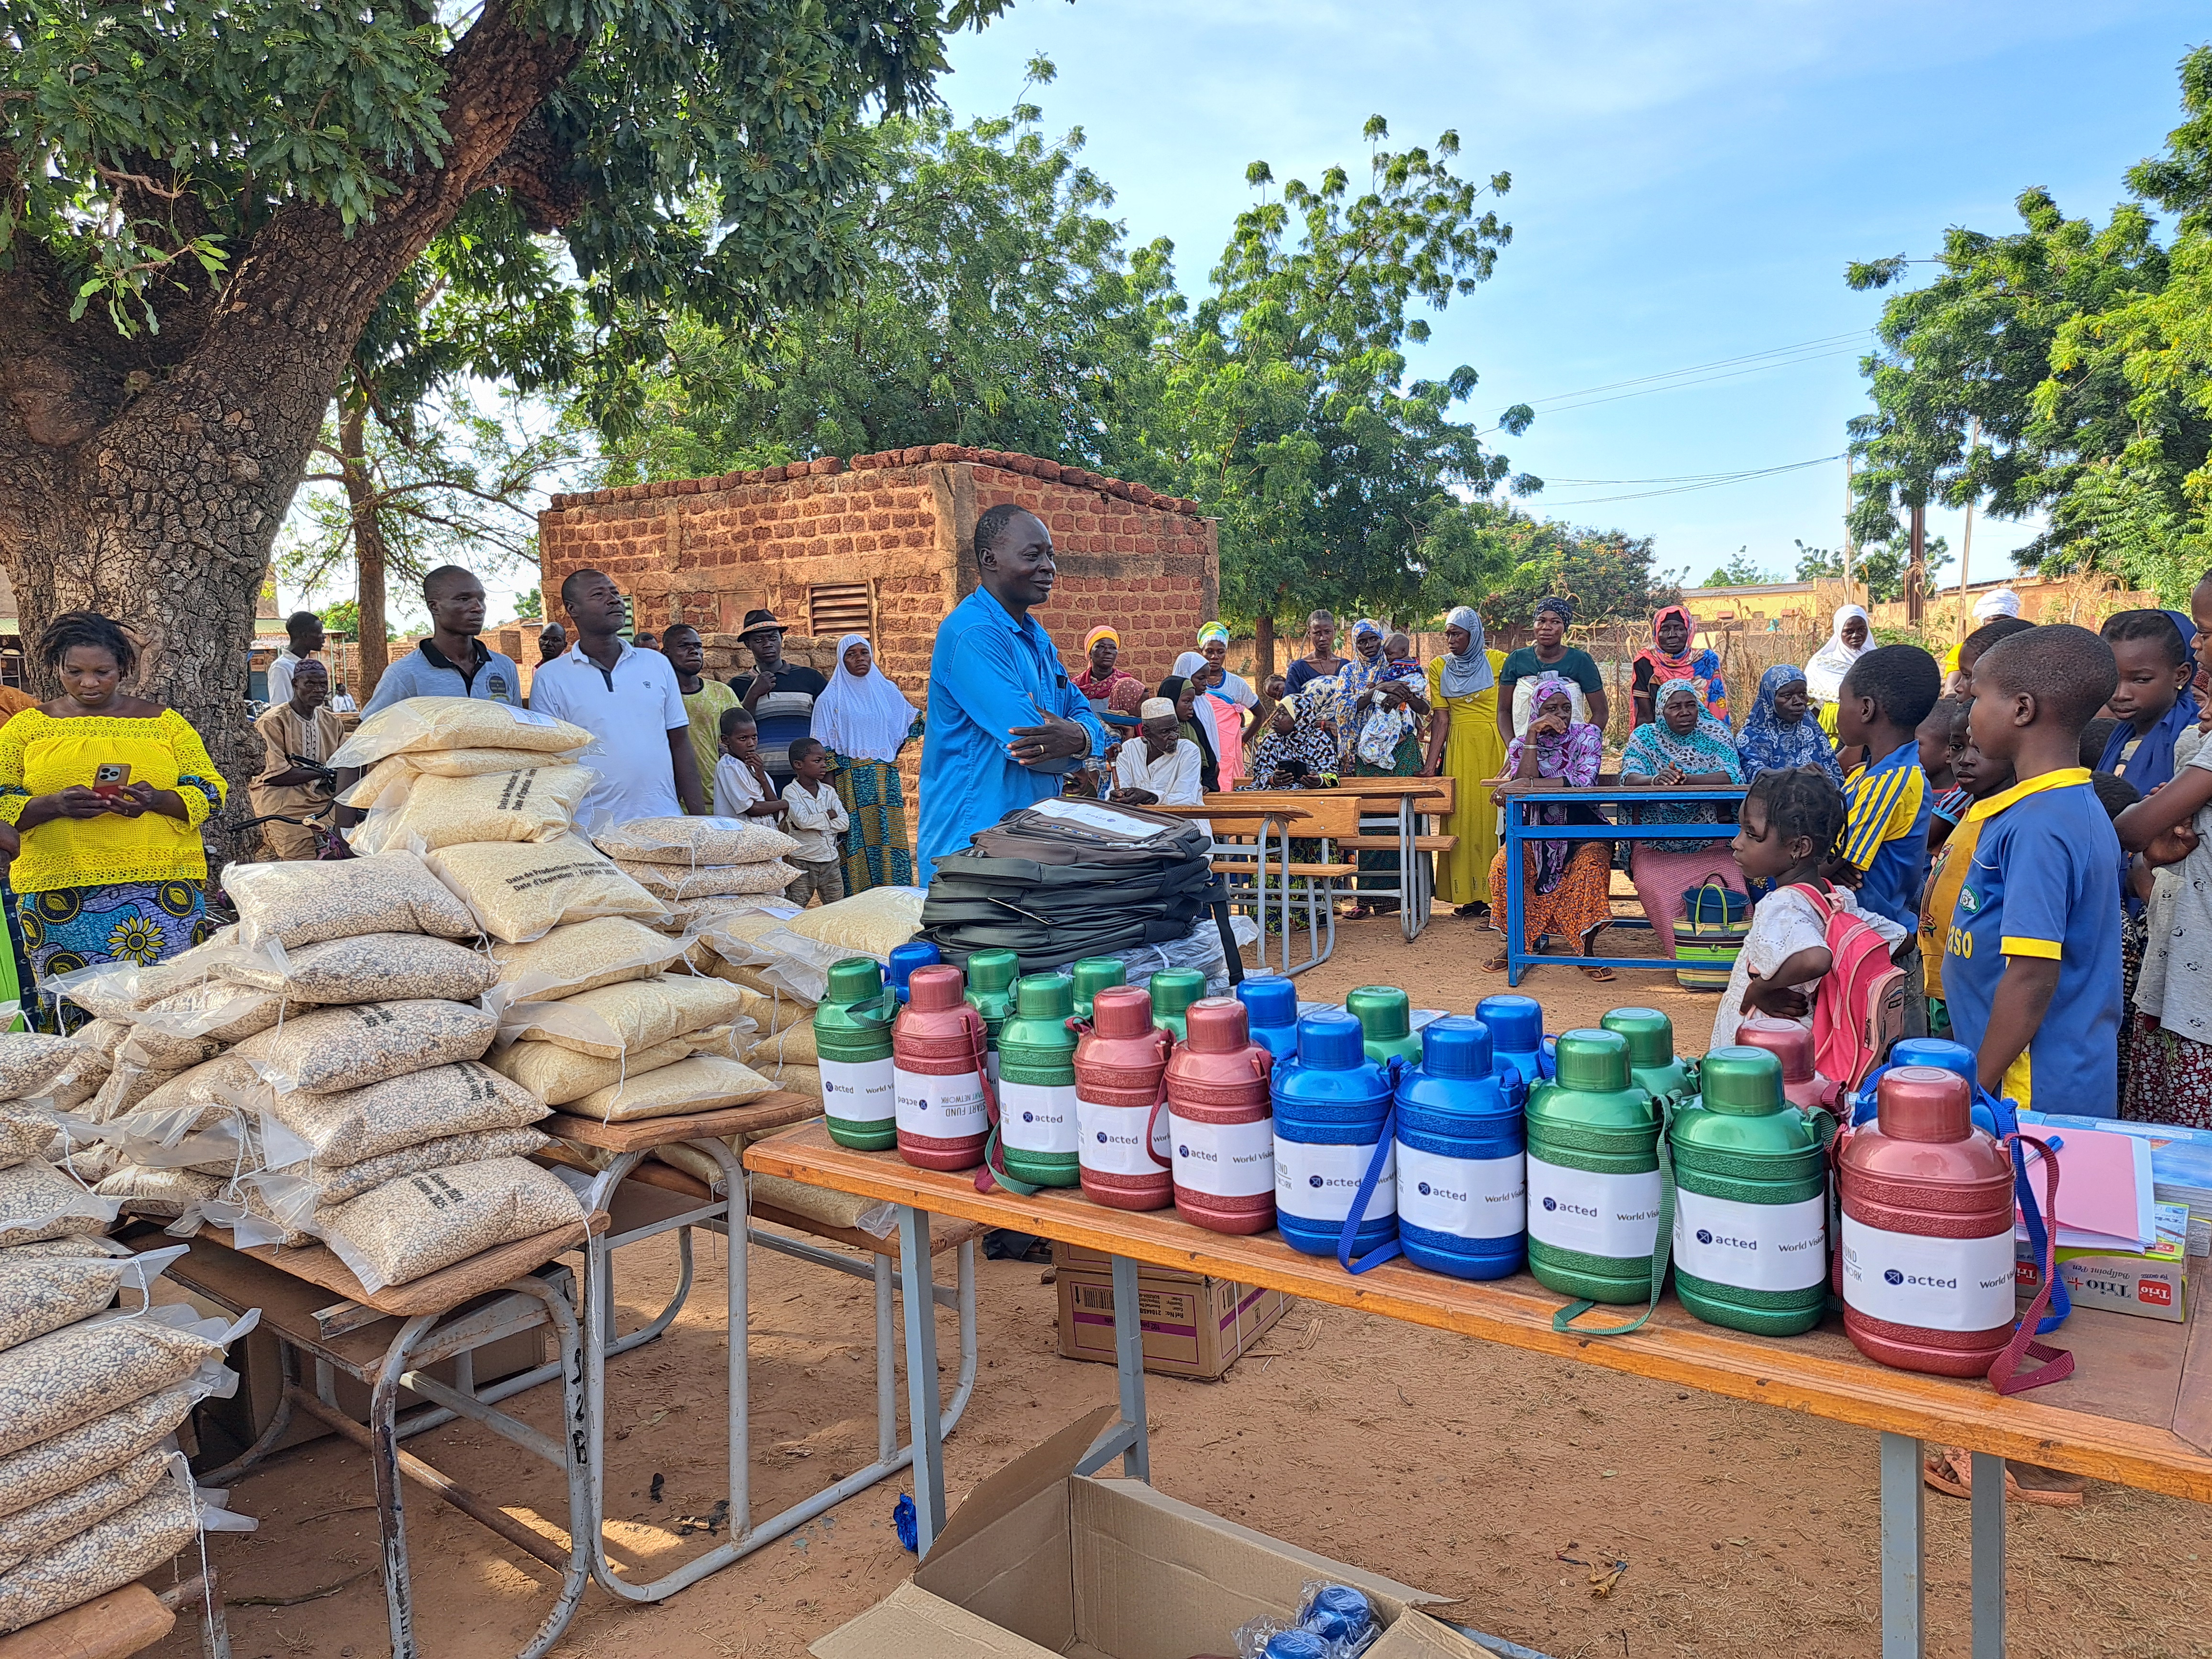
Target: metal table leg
[1903, 1578]
[1409, 919]
[1130, 1436]
[1988, 1476]
[1516, 899]
[920, 1303]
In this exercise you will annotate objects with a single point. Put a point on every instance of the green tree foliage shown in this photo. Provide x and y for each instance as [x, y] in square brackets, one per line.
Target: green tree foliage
[996, 309]
[529, 606]
[2064, 368]
[202, 205]
[1606, 573]
[1741, 571]
[1881, 566]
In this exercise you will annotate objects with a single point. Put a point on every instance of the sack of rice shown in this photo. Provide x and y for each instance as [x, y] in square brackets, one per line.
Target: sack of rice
[797, 1079]
[103, 1557]
[794, 1045]
[367, 968]
[298, 1190]
[521, 892]
[703, 1083]
[535, 804]
[694, 842]
[87, 1370]
[304, 901]
[736, 932]
[40, 1294]
[398, 1232]
[619, 1019]
[36, 1202]
[30, 1060]
[353, 1125]
[867, 924]
[36, 1526]
[350, 1046]
[772, 1010]
[580, 956]
[557, 1076]
[692, 916]
[415, 724]
[61, 1462]
[219, 1010]
[162, 1193]
[674, 882]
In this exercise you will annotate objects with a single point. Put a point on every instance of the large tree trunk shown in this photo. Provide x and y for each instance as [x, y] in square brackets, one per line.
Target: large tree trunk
[368, 551]
[1263, 648]
[145, 475]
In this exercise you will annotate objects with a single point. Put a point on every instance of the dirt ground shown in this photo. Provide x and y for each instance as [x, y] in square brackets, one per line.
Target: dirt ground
[1503, 1479]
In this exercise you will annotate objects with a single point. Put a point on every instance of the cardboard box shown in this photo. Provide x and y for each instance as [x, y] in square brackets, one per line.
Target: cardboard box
[2151, 1284]
[1040, 1561]
[1195, 1326]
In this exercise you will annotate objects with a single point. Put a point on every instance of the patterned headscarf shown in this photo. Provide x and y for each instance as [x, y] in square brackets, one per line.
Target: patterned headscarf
[1465, 673]
[1703, 667]
[1574, 754]
[1308, 742]
[1211, 631]
[1102, 632]
[1708, 747]
[1767, 745]
[1376, 731]
[1563, 608]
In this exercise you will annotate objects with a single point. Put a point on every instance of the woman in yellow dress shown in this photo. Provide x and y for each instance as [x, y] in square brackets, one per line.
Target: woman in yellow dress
[1464, 743]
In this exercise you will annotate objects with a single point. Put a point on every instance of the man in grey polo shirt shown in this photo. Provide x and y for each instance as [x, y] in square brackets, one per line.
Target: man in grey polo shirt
[452, 662]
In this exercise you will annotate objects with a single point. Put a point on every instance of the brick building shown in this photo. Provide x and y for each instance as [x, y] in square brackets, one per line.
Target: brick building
[880, 545]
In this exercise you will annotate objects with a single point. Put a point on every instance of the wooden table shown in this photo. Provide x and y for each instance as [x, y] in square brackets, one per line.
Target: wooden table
[2116, 1418]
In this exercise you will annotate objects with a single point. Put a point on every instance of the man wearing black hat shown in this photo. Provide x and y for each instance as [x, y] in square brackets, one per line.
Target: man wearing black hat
[779, 695]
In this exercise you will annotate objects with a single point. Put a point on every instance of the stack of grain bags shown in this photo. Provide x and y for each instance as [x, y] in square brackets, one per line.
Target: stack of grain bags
[92, 1493]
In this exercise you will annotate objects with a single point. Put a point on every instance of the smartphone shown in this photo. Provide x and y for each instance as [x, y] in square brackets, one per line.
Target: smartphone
[109, 777]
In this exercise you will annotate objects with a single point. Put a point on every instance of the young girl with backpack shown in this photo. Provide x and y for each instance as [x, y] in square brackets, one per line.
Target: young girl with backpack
[1788, 826]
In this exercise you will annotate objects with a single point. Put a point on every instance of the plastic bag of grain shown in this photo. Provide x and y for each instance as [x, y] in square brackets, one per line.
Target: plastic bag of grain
[675, 882]
[415, 724]
[694, 843]
[84, 1246]
[398, 1232]
[64, 1514]
[126, 1088]
[24, 1133]
[736, 931]
[796, 1079]
[350, 1046]
[794, 1045]
[304, 901]
[163, 1195]
[695, 915]
[534, 804]
[110, 1553]
[771, 1011]
[40, 1294]
[704, 1082]
[395, 775]
[84, 1371]
[580, 956]
[297, 1191]
[225, 1080]
[625, 1018]
[153, 1049]
[219, 1010]
[30, 1061]
[366, 967]
[62, 1462]
[103, 1037]
[867, 924]
[36, 1202]
[87, 1163]
[522, 891]
[557, 1076]
[353, 1125]
[78, 1083]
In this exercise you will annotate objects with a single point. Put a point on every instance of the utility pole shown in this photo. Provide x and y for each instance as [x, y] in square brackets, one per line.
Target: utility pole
[1848, 550]
[1916, 573]
[1966, 541]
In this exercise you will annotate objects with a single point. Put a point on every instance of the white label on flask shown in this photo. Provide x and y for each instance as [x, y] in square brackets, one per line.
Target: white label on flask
[1113, 1139]
[1466, 1197]
[1317, 1181]
[1036, 1117]
[941, 1108]
[1752, 1246]
[1937, 1283]
[859, 1090]
[1229, 1160]
[1608, 1215]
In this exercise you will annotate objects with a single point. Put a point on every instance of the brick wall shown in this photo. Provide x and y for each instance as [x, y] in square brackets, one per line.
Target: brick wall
[707, 550]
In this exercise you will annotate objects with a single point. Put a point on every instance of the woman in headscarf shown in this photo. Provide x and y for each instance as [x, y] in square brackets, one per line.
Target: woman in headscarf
[1196, 725]
[1848, 641]
[1111, 688]
[864, 721]
[1670, 656]
[1297, 751]
[1384, 699]
[1686, 748]
[1782, 734]
[1566, 882]
[1464, 745]
[1223, 700]
[1549, 653]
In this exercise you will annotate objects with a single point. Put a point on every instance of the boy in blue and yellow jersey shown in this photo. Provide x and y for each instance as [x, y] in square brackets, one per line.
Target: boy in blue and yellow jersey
[1885, 696]
[2035, 925]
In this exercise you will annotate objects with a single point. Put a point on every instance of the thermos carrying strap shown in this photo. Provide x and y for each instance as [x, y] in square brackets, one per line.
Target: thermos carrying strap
[991, 1173]
[1663, 1245]
[1384, 1146]
[2058, 1363]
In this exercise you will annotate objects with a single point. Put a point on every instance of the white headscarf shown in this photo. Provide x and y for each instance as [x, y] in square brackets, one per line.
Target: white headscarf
[863, 716]
[1997, 602]
[1824, 674]
[1469, 671]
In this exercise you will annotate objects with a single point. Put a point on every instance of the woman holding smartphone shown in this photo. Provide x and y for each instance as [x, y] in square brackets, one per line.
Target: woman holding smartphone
[107, 792]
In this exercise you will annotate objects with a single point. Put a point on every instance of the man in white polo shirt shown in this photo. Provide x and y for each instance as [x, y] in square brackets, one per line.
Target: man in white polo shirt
[630, 700]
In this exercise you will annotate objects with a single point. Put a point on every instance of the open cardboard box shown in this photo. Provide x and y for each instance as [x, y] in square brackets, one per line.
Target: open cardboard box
[1040, 1560]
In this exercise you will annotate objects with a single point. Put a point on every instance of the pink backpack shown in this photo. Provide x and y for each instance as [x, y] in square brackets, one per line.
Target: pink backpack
[1858, 1010]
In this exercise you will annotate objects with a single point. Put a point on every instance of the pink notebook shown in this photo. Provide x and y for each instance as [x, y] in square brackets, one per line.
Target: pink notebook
[2103, 1189]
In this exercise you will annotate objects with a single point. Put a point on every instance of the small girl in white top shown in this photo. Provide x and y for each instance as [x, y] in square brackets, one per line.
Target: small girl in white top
[1789, 822]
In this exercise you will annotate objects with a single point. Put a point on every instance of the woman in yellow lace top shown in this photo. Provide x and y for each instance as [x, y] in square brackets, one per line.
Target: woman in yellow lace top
[107, 792]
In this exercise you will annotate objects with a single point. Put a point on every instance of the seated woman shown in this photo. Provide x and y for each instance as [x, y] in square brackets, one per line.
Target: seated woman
[1686, 748]
[1158, 767]
[1195, 724]
[1297, 751]
[1567, 882]
[1782, 733]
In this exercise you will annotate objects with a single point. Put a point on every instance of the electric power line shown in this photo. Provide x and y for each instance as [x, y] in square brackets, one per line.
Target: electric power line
[1708, 482]
[1675, 379]
[1699, 368]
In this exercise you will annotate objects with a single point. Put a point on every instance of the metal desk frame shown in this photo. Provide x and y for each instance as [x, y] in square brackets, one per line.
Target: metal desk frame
[1519, 958]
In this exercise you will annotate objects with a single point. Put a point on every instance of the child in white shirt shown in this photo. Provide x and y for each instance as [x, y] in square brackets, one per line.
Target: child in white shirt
[742, 789]
[816, 819]
[1789, 822]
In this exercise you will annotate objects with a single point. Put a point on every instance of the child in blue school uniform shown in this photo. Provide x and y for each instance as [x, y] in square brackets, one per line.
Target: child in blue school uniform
[2035, 925]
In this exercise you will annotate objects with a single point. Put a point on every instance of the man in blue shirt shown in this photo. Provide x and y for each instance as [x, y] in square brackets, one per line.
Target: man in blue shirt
[993, 671]
[451, 662]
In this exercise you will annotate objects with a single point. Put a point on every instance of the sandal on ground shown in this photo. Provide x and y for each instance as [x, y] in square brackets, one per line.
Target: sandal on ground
[1496, 965]
[1952, 1473]
[1601, 976]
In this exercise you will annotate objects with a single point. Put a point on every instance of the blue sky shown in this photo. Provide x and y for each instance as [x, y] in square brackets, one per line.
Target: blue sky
[1688, 183]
